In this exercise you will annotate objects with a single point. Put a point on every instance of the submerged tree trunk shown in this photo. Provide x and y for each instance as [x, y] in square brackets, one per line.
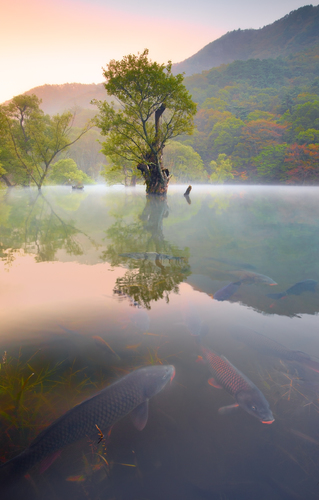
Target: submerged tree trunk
[156, 209]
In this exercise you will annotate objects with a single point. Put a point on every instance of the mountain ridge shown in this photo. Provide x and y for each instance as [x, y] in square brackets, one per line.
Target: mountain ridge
[291, 34]
[294, 32]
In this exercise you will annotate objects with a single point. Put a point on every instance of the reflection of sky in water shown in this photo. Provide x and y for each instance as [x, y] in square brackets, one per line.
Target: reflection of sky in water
[62, 302]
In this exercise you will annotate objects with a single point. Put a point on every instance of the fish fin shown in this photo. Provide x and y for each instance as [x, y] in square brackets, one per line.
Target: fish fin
[48, 461]
[213, 383]
[226, 410]
[200, 359]
[139, 415]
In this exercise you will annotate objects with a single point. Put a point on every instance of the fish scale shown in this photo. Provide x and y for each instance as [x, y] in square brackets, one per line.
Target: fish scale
[103, 409]
[225, 373]
[246, 394]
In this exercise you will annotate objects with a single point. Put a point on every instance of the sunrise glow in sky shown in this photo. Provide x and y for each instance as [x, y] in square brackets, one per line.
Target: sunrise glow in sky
[65, 41]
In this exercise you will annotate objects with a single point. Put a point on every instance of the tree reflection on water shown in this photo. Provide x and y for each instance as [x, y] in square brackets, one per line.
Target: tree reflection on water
[32, 225]
[146, 279]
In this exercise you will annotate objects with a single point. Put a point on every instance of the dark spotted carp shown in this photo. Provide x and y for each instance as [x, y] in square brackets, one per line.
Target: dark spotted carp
[130, 394]
[227, 291]
[250, 277]
[226, 376]
[296, 289]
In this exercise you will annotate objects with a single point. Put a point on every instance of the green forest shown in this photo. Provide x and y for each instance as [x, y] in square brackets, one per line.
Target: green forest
[262, 115]
[257, 122]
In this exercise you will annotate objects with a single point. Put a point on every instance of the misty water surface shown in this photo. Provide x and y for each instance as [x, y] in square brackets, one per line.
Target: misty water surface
[77, 313]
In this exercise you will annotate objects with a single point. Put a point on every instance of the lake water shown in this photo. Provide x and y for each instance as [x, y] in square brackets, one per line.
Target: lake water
[86, 300]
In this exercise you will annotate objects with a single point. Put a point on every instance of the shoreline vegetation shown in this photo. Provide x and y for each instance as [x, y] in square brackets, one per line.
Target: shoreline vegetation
[257, 122]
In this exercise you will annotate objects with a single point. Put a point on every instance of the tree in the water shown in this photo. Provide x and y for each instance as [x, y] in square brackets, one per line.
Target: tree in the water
[153, 107]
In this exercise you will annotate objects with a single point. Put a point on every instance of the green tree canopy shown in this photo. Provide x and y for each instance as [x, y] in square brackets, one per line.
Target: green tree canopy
[154, 107]
[120, 171]
[270, 163]
[221, 170]
[32, 139]
[184, 163]
[66, 172]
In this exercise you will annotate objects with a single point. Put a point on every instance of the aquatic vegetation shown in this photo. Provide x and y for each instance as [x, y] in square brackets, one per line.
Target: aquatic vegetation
[26, 398]
[105, 346]
[32, 393]
[153, 358]
[73, 383]
[289, 385]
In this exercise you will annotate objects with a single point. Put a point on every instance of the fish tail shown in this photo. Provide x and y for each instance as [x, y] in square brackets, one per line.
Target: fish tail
[15, 468]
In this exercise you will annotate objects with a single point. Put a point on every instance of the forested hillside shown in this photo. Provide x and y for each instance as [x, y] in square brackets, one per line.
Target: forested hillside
[294, 32]
[262, 115]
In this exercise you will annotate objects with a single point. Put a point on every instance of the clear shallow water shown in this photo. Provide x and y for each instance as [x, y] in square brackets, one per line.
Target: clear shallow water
[63, 281]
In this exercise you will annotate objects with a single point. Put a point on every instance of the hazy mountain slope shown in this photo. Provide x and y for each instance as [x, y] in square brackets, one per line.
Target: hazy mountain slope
[293, 33]
[58, 98]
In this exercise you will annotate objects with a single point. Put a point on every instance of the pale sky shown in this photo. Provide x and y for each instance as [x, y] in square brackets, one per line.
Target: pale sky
[66, 41]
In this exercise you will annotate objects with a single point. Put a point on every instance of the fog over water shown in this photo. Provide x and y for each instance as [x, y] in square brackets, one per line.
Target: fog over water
[96, 284]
